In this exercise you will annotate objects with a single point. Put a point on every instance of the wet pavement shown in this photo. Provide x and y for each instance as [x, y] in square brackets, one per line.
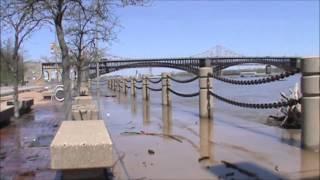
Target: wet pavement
[25, 144]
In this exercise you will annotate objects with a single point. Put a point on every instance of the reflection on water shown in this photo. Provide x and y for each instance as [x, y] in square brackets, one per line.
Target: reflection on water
[133, 106]
[146, 112]
[167, 119]
[291, 137]
[205, 128]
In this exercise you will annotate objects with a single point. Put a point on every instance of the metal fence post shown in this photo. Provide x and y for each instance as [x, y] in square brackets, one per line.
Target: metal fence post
[310, 102]
[133, 86]
[165, 81]
[205, 99]
[145, 92]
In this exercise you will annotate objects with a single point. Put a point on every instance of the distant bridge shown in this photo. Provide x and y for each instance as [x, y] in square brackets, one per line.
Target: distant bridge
[192, 64]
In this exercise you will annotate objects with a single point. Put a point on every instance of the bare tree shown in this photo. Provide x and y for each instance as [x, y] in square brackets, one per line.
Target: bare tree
[60, 13]
[84, 31]
[19, 18]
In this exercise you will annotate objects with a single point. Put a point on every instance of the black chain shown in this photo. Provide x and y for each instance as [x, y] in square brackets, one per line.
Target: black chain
[184, 81]
[137, 87]
[138, 81]
[257, 81]
[155, 89]
[184, 95]
[155, 82]
[278, 104]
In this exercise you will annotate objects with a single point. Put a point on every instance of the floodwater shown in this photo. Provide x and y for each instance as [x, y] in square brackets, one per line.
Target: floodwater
[24, 144]
[158, 142]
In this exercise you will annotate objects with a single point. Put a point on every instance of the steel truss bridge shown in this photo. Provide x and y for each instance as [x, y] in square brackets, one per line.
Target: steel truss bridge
[189, 64]
[192, 64]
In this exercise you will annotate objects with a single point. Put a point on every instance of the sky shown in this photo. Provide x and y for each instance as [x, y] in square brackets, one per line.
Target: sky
[184, 28]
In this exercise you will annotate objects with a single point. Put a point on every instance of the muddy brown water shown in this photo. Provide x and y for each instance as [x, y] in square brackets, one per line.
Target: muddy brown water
[235, 135]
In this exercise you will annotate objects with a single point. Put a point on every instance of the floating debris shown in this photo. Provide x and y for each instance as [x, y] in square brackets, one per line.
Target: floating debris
[244, 171]
[291, 115]
[151, 152]
[153, 134]
[203, 158]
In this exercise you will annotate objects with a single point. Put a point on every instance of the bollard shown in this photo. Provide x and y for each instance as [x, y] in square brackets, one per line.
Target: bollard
[167, 120]
[119, 85]
[145, 91]
[133, 87]
[310, 103]
[125, 86]
[205, 99]
[205, 132]
[166, 97]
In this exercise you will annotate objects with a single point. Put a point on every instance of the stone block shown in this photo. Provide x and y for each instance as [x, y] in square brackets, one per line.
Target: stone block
[84, 91]
[6, 112]
[83, 100]
[24, 104]
[47, 94]
[81, 145]
[84, 111]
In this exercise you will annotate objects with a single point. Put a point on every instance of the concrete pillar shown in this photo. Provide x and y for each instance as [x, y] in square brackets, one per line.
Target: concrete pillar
[166, 97]
[310, 87]
[145, 91]
[133, 89]
[205, 131]
[146, 113]
[125, 85]
[119, 85]
[167, 119]
[205, 99]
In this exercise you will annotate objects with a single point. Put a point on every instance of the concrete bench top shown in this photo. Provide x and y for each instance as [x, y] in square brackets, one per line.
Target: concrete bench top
[91, 132]
[81, 145]
[84, 106]
[4, 107]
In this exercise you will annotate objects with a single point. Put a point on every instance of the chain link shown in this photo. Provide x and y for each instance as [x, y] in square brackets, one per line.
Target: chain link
[257, 81]
[184, 81]
[184, 95]
[155, 89]
[137, 87]
[276, 105]
[155, 82]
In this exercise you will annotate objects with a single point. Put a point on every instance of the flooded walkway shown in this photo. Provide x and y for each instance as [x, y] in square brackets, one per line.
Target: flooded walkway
[155, 142]
[24, 145]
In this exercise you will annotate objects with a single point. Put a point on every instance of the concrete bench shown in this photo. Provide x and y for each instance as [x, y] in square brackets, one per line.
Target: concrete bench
[84, 91]
[83, 100]
[24, 104]
[47, 94]
[84, 111]
[81, 145]
[6, 112]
